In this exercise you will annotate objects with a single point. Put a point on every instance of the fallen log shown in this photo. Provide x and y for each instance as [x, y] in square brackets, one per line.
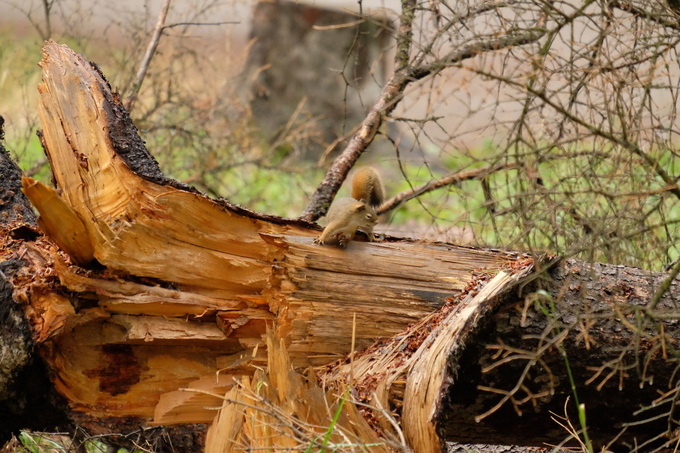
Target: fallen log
[153, 288]
[190, 284]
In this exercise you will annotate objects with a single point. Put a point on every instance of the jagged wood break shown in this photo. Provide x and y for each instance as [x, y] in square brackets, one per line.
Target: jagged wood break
[185, 286]
[147, 288]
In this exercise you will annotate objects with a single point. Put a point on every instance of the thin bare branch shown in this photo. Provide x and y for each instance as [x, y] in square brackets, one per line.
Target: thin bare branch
[146, 60]
[447, 180]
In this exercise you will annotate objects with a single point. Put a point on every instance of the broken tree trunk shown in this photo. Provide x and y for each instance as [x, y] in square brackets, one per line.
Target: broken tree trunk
[189, 284]
[154, 288]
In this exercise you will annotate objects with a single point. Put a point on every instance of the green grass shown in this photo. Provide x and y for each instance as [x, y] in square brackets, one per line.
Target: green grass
[34, 442]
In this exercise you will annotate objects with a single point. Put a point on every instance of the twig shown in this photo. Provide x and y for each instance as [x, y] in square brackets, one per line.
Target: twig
[447, 180]
[390, 419]
[47, 6]
[664, 286]
[179, 24]
[339, 26]
[405, 37]
[150, 50]
[633, 147]
[36, 167]
[352, 351]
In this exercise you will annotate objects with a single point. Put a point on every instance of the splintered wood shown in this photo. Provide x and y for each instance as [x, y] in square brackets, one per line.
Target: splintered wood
[420, 359]
[429, 371]
[165, 289]
[279, 409]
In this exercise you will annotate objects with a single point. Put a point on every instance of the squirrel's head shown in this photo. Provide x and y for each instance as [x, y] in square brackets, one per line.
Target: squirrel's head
[367, 213]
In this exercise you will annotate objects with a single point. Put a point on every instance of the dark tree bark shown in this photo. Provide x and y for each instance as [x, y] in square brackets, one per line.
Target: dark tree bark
[614, 348]
[24, 381]
[13, 203]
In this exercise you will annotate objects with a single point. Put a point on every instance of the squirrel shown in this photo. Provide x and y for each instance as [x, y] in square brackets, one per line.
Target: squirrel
[347, 215]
